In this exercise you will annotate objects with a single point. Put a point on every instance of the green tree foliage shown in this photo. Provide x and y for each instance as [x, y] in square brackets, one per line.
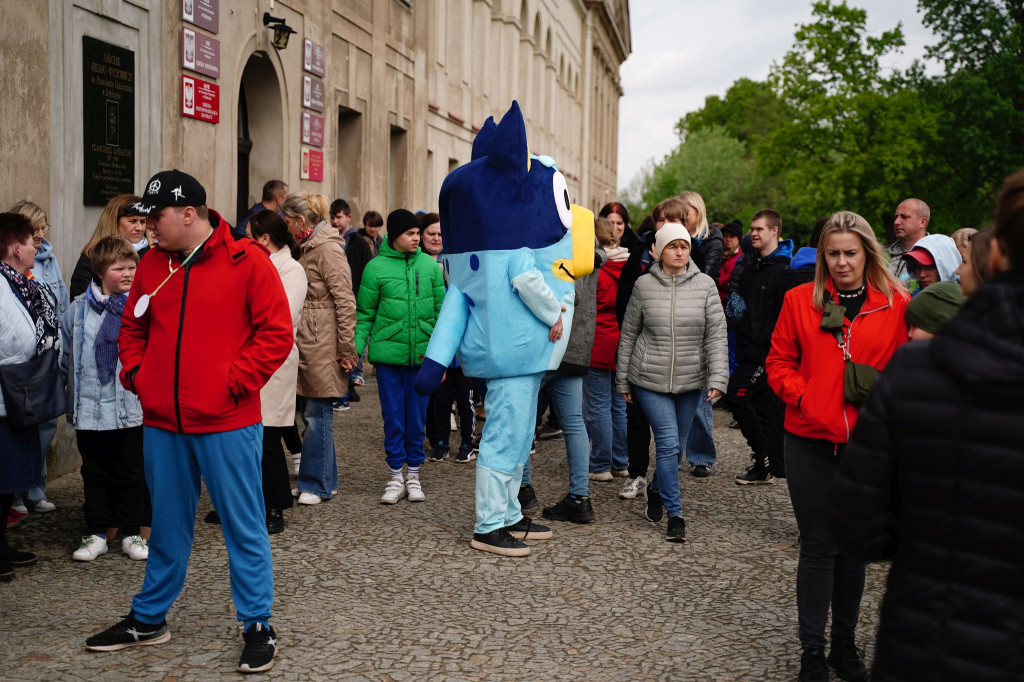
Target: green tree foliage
[831, 128]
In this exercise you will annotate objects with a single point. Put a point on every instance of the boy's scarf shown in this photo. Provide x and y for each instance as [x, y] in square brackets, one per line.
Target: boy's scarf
[105, 345]
[41, 304]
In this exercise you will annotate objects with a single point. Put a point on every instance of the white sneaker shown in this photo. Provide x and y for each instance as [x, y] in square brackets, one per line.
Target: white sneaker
[415, 490]
[309, 498]
[92, 546]
[632, 488]
[295, 492]
[44, 505]
[603, 476]
[20, 508]
[136, 547]
[393, 492]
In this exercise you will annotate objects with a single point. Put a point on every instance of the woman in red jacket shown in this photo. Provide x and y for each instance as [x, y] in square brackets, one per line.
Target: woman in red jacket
[853, 294]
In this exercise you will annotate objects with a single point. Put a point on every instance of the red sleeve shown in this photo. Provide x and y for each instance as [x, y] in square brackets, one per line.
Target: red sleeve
[131, 343]
[783, 363]
[271, 320]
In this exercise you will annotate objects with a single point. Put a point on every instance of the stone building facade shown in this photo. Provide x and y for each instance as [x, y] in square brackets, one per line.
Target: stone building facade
[403, 88]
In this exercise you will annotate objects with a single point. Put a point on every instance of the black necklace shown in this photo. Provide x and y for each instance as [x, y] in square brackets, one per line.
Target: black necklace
[853, 294]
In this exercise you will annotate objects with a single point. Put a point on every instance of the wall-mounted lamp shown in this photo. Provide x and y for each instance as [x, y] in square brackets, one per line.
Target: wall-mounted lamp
[281, 30]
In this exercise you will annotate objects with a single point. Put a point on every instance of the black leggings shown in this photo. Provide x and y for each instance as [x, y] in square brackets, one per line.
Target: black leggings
[638, 439]
[458, 387]
[277, 492]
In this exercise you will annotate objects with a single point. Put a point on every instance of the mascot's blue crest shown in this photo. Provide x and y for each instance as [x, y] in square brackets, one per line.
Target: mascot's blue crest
[510, 202]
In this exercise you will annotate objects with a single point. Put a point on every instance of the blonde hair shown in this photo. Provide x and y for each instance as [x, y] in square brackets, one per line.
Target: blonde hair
[110, 250]
[876, 271]
[696, 202]
[106, 226]
[313, 207]
[30, 210]
[605, 232]
[962, 237]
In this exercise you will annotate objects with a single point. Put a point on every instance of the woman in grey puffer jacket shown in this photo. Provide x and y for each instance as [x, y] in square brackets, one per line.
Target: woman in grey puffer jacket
[673, 343]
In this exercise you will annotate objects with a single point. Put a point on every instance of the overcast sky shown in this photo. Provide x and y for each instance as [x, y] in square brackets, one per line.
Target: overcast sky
[685, 50]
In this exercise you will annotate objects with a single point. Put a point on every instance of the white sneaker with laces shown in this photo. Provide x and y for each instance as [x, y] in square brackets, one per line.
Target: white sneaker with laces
[43, 505]
[393, 492]
[20, 508]
[309, 498]
[602, 476]
[632, 488]
[136, 547]
[92, 546]
[415, 490]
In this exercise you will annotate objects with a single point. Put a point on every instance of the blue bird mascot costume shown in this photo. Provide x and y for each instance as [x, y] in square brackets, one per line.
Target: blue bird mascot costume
[513, 246]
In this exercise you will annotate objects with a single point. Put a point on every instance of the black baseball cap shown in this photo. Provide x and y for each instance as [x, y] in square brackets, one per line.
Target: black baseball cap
[169, 188]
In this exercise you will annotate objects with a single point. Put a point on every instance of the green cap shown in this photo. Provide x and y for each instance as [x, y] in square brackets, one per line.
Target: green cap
[934, 306]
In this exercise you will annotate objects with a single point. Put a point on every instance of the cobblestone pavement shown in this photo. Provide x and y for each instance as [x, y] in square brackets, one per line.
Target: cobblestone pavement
[376, 592]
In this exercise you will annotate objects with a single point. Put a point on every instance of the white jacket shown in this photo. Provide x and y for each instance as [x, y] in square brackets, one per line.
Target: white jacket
[277, 397]
[17, 332]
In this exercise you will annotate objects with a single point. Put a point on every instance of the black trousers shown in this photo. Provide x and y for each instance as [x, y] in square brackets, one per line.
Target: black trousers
[114, 478]
[638, 439]
[277, 492]
[760, 414]
[456, 387]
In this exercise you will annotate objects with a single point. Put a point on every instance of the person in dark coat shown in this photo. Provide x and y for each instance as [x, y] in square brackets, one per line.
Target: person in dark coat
[933, 479]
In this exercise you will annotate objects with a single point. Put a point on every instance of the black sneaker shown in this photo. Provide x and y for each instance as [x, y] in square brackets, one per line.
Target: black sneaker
[466, 453]
[129, 632]
[571, 508]
[676, 529]
[756, 474]
[701, 471]
[655, 511]
[499, 542]
[527, 498]
[847, 660]
[275, 521]
[16, 559]
[812, 665]
[260, 649]
[440, 453]
[525, 529]
[548, 432]
[353, 397]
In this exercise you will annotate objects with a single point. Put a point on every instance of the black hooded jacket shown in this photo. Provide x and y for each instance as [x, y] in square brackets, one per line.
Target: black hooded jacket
[933, 478]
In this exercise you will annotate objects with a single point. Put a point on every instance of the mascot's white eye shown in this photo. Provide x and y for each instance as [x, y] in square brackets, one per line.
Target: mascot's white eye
[562, 199]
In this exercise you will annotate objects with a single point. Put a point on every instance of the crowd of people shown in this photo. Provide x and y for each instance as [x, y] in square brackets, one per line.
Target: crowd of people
[677, 316]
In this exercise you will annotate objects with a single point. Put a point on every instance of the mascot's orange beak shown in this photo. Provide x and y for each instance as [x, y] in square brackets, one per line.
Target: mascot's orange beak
[582, 262]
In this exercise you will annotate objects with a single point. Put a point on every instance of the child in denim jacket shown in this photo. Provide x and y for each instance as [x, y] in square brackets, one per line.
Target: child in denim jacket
[107, 418]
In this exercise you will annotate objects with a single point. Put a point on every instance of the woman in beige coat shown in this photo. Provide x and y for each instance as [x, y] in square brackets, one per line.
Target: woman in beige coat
[278, 395]
[324, 338]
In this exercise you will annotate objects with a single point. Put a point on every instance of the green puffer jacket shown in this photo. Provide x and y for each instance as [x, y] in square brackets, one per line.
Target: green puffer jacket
[399, 298]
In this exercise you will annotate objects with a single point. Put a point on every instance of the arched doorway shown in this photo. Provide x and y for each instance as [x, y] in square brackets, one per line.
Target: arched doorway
[260, 145]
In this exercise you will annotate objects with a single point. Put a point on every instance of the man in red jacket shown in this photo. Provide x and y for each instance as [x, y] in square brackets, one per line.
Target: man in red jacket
[205, 326]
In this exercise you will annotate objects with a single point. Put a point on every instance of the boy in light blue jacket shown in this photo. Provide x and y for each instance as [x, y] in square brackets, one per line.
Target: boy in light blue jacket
[107, 418]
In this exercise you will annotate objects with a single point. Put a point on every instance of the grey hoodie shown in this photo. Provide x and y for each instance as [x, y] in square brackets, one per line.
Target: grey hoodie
[943, 250]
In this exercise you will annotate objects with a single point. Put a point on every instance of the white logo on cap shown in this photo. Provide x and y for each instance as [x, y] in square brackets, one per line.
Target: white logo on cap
[154, 187]
[178, 194]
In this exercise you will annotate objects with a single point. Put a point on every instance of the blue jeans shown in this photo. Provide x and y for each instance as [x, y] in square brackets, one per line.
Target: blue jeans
[229, 462]
[37, 493]
[605, 411]
[670, 415]
[700, 444]
[566, 392]
[318, 469]
[404, 412]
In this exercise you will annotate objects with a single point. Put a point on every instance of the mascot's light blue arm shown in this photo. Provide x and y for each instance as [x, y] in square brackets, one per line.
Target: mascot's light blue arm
[530, 285]
[445, 340]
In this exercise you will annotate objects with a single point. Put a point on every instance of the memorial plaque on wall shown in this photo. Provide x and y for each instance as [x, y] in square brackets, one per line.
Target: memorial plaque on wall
[108, 106]
[200, 99]
[202, 13]
[313, 57]
[200, 53]
[312, 93]
[312, 129]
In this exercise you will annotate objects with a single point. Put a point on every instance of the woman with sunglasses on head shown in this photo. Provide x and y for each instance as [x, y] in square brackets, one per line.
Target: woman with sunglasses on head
[118, 217]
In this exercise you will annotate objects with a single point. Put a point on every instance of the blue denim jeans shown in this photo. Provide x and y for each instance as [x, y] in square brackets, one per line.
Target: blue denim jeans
[37, 493]
[318, 469]
[566, 392]
[605, 411]
[670, 415]
[700, 444]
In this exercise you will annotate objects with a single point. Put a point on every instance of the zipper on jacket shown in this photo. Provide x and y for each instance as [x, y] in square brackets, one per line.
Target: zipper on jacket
[672, 326]
[177, 352]
[849, 335]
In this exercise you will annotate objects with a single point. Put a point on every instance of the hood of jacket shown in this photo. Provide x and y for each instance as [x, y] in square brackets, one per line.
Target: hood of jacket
[983, 346]
[806, 257]
[784, 251]
[44, 252]
[322, 233]
[659, 274]
[947, 256]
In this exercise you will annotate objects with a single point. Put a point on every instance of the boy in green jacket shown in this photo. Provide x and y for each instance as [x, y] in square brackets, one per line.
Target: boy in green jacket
[399, 298]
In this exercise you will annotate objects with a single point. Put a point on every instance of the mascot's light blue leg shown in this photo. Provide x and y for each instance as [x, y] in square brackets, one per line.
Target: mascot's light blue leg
[511, 405]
